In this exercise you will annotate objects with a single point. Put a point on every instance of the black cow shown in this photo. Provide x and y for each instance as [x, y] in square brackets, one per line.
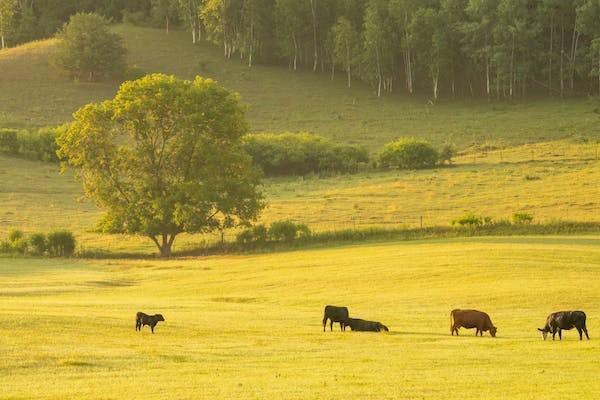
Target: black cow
[361, 325]
[566, 320]
[142, 319]
[335, 314]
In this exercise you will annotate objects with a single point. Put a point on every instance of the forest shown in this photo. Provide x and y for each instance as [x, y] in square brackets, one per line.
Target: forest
[494, 49]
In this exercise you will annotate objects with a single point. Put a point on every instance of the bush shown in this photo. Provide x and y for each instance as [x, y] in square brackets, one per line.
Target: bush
[522, 218]
[60, 244]
[471, 220]
[88, 49]
[38, 145]
[37, 244]
[408, 153]
[287, 231]
[14, 235]
[8, 141]
[257, 234]
[302, 153]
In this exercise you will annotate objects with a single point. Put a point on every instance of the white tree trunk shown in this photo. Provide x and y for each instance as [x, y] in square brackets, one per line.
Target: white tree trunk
[313, 6]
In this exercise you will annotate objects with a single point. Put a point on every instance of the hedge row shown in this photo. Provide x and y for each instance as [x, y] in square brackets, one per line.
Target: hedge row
[53, 244]
[284, 154]
[303, 153]
[39, 145]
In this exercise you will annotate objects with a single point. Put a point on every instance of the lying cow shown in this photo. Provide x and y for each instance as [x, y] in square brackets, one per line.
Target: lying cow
[470, 319]
[567, 320]
[142, 319]
[365, 326]
[335, 314]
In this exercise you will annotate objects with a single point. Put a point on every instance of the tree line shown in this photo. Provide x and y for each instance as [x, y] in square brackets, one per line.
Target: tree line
[452, 48]
[491, 48]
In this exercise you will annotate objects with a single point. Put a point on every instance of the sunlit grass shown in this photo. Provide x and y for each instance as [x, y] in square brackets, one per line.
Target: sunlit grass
[249, 326]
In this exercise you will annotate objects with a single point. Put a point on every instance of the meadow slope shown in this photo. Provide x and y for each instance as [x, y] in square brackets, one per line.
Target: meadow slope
[554, 180]
[248, 327]
[32, 94]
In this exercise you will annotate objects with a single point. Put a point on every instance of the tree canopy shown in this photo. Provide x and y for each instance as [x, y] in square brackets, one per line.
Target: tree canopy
[165, 157]
[88, 49]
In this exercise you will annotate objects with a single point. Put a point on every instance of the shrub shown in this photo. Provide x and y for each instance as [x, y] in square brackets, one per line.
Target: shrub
[60, 244]
[14, 235]
[302, 153]
[37, 244]
[408, 153]
[522, 218]
[257, 234]
[470, 220]
[88, 49]
[38, 145]
[8, 141]
[287, 231]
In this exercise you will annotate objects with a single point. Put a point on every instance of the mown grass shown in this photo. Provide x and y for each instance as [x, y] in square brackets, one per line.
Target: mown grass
[248, 327]
[551, 181]
[32, 94]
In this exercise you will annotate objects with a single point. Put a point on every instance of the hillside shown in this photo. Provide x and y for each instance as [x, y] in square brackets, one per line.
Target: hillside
[553, 180]
[249, 327]
[31, 94]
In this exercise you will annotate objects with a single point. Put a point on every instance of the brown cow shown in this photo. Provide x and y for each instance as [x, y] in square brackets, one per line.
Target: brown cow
[470, 319]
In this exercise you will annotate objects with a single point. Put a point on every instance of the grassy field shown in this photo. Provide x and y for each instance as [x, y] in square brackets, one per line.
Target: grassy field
[31, 94]
[248, 327]
[554, 180]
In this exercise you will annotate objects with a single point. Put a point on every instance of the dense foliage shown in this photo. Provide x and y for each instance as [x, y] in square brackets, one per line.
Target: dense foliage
[489, 48]
[165, 157]
[410, 153]
[285, 231]
[302, 153]
[89, 50]
[59, 243]
[37, 144]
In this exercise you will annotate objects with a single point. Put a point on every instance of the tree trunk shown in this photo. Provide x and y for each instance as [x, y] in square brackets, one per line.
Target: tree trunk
[487, 77]
[167, 23]
[295, 53]
[251, 45]
[313, 10]
[562, 57]
[348, 71]
[2, 40]
[573, 59]
[551, 52]
[165, 245]
[378, 73]
[512, 66]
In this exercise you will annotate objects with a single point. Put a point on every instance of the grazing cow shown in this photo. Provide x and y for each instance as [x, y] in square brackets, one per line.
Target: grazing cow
[335, 314]
[142, 319]
[470, 319]
[365, 326]
[567, 320]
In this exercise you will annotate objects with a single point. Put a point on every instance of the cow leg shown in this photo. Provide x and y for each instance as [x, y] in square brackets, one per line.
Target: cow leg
[330, 325]
[152, 328]
[341, 327]
[559, 334]
[324, 323]
[553, 334]
[580, 331]
[586, 334]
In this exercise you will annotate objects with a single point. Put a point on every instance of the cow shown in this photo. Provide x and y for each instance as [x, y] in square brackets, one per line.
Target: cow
[470, 319]
[567, 320]
[142, 319]
[335, 314]
[361, 325]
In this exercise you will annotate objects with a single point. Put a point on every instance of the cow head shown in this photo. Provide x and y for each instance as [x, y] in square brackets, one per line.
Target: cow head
[493, 331]
[544, 332]
[159, 317]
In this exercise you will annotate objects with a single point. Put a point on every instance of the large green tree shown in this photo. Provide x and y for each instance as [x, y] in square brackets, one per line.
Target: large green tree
[89, 49]
[164, 157]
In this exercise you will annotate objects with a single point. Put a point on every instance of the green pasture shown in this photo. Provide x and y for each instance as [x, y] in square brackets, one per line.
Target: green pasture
[248, 327]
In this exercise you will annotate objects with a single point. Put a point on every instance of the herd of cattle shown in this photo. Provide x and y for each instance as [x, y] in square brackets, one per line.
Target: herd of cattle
[468, 319]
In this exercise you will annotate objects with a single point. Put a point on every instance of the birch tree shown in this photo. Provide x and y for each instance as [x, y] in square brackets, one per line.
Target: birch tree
[7, 11]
